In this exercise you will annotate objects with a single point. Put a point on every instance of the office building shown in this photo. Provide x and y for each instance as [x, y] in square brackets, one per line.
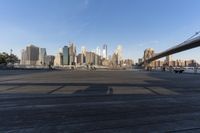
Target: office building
[115, 60]
[106, 62]
[42, 56]
[128, 63]
[105, 51]
[32, 55]
[49, 60]
[97, 60]
[23, 57]
[140, 60]
[72, 54]
[158, 64]
[65, 54]
[118, 52]
[83, 50]
[98, 51]
[90, 58]
[168, 60]
[58, 59]
[81, 59]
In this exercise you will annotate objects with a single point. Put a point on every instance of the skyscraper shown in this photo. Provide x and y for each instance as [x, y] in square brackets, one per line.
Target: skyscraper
[83, 50]
[90, 58]
[72, 54]
[98, 51]
[65, 52]
[42, 56]
[23, 57]
[105, 51]
[118, 52]
[49, 60]
[168, 60]
[80, 59]
[97, 60]
[115, 60]
[58, 59]
[32, 55]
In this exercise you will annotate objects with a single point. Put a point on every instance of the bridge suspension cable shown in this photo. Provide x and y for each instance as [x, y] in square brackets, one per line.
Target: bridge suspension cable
[192, 42]
[196, 33]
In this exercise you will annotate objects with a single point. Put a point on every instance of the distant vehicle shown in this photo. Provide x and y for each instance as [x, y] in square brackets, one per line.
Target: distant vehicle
[179, 70]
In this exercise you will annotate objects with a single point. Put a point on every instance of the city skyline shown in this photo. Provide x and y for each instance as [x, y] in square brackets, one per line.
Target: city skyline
[136, 25]
[67, 56]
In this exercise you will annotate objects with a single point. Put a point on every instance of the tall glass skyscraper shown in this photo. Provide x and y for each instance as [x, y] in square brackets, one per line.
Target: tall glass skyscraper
[105, 51]
[65, 52]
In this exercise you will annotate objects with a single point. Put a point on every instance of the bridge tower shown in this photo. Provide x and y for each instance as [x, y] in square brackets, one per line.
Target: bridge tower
[148, 53]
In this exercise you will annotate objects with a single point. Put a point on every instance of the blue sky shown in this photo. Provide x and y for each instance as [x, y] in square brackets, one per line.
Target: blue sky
[134, 24]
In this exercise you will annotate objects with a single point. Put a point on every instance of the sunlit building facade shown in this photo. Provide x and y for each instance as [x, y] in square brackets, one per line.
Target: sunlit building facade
[72, 54]
[58, 59]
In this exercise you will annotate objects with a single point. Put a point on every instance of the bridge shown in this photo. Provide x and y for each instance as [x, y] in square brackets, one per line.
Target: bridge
[186, 45]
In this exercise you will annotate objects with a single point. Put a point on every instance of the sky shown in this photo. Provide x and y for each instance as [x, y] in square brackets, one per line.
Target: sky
[134, 24]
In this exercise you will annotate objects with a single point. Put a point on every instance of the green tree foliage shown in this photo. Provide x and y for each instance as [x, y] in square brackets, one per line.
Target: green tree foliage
[2, 59]
[5, 58]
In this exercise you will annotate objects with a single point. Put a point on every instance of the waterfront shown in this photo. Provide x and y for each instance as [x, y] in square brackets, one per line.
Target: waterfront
[98, 101]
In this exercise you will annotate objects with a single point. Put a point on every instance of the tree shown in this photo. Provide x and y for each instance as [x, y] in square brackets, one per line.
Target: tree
[5, 58]
[2, 59]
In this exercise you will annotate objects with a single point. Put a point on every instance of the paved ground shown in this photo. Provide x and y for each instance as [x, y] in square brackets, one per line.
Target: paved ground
[100, 101]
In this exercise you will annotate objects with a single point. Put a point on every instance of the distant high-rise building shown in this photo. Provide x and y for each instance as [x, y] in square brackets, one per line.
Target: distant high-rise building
[32, 55]
[65, 53]
[128, 63]
[58, 59]
[80, 59]
[98, 51]
[60, 50]
[168, 60]
[83, 50]
[49, 60]
[105, 51]
[97, 59]
[118, 52]
[140, 60]
[72, 54]
[42, 56]
[115, 60]
[110, 57]
[90, 58]
[23, 57]
[158, 64]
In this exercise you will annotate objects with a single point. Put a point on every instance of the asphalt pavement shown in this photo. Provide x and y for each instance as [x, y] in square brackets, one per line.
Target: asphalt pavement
[98, 101]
